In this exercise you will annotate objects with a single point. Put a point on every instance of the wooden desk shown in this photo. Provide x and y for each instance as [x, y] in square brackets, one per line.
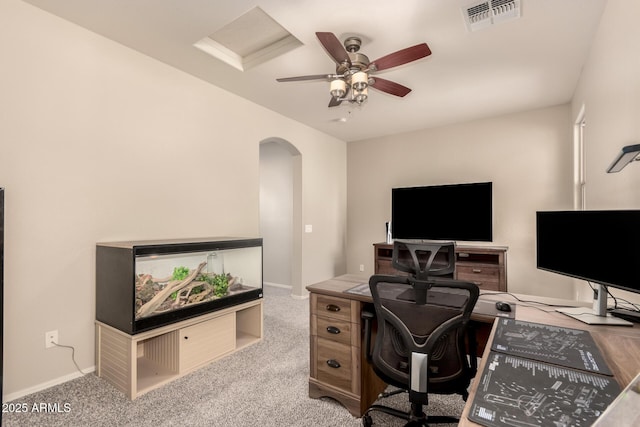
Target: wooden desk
[620, 345]
[338, 365]
[356, 386]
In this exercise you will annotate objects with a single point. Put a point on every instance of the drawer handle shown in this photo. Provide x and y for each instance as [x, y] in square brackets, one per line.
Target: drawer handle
[333, 363]
[186, 338]
[463, 255]
[333, 330]
[477, 270]
[332, 307]
[477, 283]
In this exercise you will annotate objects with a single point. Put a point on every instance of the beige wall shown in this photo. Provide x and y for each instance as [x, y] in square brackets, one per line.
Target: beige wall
[609, 90]
[101, 143]
[527, 156]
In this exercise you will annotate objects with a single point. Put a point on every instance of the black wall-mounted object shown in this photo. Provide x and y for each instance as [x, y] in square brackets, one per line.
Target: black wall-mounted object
[627, 155]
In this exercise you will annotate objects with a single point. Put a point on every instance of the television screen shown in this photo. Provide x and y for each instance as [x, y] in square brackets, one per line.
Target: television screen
[443, 212]
[598, 246]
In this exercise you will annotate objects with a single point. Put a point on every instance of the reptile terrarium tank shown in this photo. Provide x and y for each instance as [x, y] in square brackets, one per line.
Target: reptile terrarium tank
[146, 284]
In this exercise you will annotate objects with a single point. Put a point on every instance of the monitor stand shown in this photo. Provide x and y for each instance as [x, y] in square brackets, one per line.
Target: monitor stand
[598, 315]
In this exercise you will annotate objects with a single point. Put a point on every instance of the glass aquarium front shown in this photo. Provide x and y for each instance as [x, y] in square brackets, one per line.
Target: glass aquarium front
[142, 285]
[168, 282]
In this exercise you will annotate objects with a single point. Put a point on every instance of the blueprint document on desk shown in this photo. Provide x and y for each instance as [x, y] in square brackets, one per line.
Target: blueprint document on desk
[514, 391]
[571, 348]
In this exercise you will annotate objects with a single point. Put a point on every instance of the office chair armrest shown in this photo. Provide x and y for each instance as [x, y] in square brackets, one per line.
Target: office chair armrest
[368, 317]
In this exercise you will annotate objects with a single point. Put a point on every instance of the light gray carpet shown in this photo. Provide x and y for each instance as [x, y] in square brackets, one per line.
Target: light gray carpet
[265, 384]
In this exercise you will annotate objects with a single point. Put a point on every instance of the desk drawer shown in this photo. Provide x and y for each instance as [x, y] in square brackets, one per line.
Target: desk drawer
[485, 276]
[334, 330]
[334, 364]
[333, 307]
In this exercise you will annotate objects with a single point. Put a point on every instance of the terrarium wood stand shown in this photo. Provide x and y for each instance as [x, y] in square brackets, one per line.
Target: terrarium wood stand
[136, 364]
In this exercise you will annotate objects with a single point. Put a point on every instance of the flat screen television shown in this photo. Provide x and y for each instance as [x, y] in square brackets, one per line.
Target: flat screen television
[456, 212]
[599, 246]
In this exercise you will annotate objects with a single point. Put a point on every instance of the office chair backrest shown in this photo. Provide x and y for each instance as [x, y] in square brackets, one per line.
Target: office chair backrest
[422, 325]
[423, 260]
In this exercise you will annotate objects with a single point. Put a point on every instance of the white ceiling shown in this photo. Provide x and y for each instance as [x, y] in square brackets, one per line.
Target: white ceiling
[528, 63]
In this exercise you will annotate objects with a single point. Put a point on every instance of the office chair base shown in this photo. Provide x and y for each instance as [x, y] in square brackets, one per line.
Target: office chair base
[391, 393]
[415, 418]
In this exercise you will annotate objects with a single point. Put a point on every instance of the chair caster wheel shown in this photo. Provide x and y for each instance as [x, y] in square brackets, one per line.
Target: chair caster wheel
[367, 421]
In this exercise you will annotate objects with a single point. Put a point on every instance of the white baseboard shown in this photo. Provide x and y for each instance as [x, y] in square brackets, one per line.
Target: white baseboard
[306, 296]
[43, 386]
[277, 285]
[280, 285]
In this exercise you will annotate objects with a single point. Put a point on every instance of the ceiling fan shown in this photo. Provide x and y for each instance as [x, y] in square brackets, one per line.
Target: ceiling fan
[354, 71]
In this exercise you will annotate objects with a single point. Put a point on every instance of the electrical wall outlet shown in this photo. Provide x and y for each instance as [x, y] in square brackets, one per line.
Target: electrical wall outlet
[361, 267]
[50, 338]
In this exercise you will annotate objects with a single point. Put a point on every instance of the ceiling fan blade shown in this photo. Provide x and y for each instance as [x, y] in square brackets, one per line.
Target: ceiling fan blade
[334, 102]
[302, 78]
[390, 87]
[334, 48]
[401, 57]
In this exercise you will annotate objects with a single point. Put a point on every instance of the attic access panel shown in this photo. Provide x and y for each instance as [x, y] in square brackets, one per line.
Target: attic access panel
[249, 40]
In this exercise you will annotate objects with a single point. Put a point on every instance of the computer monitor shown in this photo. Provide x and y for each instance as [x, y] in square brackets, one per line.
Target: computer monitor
[453, 212]
[599, 246]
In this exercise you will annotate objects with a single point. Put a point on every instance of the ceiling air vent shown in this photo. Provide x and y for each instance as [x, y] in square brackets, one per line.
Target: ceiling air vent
[484, 14]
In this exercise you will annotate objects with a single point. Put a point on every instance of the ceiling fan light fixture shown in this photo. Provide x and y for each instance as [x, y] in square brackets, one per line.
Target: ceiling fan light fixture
[338, 88]
[359, 81]
[361, 96]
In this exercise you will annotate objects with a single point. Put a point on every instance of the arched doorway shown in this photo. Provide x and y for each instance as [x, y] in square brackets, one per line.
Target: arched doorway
[280, 213]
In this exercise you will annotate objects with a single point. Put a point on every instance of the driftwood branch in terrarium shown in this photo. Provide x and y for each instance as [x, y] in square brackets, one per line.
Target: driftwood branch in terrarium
[171, 287]
[186, 297]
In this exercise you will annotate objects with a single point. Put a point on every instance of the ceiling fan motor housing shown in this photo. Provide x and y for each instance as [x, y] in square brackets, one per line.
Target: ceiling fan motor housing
[359, 62]
[352, 44]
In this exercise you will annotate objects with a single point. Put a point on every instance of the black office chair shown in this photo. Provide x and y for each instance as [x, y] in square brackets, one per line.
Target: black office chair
[425, 259]
[422, 344]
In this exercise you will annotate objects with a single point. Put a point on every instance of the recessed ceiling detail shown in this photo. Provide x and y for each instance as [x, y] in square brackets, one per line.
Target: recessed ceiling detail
[249, 40]
[483, 14]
